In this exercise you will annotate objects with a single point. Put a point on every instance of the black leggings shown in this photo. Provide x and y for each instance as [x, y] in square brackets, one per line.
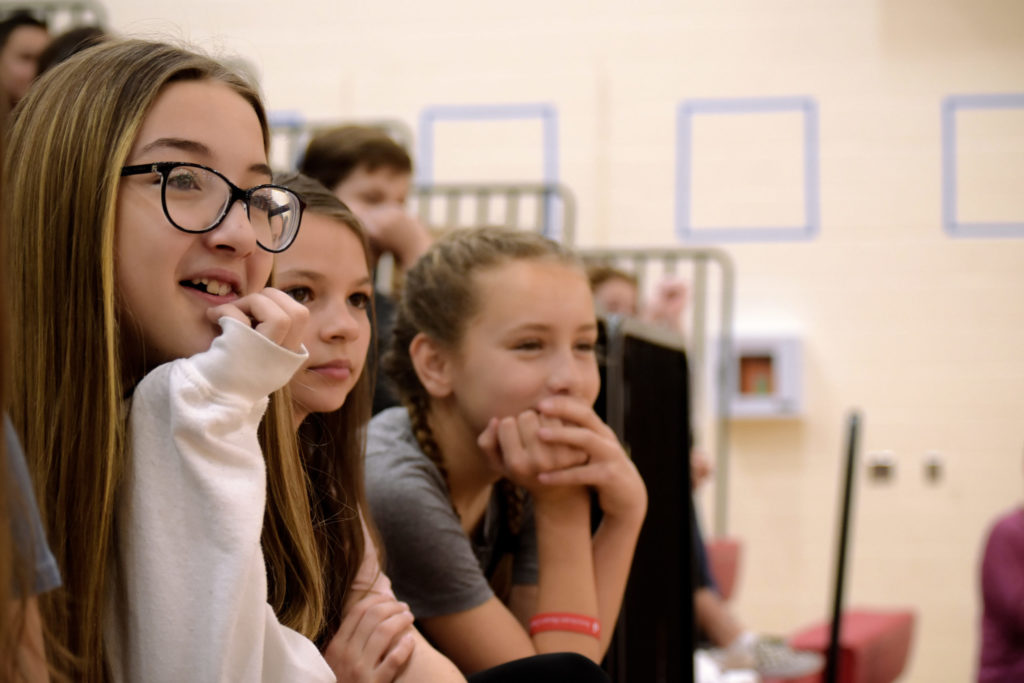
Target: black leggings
[559, 667]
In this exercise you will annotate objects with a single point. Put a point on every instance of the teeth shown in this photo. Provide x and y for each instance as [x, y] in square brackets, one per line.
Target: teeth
[215, 287]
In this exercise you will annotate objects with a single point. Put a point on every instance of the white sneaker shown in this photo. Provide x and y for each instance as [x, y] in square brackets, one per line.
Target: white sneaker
[775, 659]
[770, 657]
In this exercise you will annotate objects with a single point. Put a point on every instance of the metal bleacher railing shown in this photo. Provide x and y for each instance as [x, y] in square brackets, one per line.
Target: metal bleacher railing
[290, 132]
[710, 276]
[547, 208]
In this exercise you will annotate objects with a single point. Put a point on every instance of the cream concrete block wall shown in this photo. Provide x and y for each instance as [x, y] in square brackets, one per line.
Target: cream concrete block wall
[925, 333]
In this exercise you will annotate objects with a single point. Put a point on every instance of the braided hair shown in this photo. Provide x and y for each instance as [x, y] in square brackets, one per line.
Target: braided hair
[438, 300]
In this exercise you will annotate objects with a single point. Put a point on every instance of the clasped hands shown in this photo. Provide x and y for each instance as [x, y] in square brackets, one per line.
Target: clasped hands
[563, 443]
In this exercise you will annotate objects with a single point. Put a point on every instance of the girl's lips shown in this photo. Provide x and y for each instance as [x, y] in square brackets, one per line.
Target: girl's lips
[338, 371]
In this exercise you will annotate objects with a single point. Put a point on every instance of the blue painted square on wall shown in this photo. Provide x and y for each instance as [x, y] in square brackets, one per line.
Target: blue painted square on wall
[956, 112]
[802, 213]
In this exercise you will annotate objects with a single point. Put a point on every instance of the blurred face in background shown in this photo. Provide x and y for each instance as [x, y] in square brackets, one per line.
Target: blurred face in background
[616, 296]
[364, 190]
[19, 60]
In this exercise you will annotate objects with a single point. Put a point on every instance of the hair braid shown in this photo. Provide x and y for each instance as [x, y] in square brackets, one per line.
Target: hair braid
[417, 408]
[514, 498]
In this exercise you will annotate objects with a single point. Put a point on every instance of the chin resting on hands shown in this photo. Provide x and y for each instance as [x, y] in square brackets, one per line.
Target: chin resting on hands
[516, 451]
[620, 489]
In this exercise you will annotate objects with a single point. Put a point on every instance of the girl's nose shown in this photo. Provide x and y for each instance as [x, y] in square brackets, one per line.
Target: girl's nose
[235, 233]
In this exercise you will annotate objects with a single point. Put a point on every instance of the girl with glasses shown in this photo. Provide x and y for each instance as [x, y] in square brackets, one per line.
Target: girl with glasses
[146, 343]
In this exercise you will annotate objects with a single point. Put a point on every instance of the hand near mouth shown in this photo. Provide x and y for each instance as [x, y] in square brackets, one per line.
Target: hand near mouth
[271, 312]
[514, 450]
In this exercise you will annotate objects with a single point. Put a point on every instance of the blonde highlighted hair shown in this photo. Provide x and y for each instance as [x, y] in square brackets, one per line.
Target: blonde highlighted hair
[70, 137]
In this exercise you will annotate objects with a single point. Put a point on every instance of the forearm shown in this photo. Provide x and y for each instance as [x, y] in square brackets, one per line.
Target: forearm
[566, 570]
[614, 544]
[28, 662]
[192, 600]
[427, 664]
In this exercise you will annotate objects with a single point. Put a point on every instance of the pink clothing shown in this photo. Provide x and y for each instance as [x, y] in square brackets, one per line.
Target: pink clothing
[370, 578]
[1002, 590]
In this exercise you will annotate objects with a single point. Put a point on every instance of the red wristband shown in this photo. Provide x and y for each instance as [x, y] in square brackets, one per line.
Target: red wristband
[565, 621]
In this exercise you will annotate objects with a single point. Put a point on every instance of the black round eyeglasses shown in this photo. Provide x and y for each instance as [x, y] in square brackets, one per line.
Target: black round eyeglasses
[197, 198]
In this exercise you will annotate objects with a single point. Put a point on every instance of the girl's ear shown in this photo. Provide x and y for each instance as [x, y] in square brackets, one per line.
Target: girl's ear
[433, 365]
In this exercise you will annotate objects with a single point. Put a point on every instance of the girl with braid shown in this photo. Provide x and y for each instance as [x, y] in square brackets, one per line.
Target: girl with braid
[481, 483]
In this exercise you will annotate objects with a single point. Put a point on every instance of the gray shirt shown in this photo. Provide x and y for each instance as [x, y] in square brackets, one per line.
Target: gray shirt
[26, 528]
[433, 565]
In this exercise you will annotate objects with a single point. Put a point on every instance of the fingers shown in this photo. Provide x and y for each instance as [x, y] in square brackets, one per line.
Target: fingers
[525, 453]
[396, 658]
[270, 312]
[227, 311]
[387, 635]
[373, 641]
[585, 475]
[573, 411]
[580, 440]
[488, 443]
[290, 328]
[378, 618]
[514, 457]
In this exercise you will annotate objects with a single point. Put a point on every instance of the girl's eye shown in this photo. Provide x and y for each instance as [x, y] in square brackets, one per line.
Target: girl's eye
[183, 180]
[372, 198]
[586, 347]
[528, 345]
[360, 300]
[301, 294]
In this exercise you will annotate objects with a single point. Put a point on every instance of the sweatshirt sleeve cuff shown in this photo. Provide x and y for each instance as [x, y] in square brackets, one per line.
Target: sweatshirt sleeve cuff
[242, 361]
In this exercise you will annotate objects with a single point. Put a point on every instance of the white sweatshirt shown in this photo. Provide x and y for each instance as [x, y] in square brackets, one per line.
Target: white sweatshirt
[187, 599]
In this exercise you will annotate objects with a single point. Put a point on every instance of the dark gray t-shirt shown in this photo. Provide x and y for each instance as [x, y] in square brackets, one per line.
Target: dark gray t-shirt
[432, 564]
[26, 528]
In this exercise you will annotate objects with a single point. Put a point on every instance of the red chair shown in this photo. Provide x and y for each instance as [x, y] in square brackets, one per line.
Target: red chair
[873, 646]
[724, 561]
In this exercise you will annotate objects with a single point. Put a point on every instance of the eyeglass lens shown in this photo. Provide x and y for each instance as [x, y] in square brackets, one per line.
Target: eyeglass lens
[197, 199]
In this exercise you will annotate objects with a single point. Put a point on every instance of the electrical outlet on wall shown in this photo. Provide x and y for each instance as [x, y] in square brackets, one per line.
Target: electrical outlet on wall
[934, 467]
[881, 466]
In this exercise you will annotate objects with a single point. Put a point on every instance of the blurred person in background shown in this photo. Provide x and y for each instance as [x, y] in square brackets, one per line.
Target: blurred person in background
[22, 40]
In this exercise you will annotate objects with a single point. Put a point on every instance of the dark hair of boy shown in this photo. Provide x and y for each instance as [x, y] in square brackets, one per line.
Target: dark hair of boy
[335, 153]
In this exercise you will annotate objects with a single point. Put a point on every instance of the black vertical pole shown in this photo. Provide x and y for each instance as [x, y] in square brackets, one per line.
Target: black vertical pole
[832, 658]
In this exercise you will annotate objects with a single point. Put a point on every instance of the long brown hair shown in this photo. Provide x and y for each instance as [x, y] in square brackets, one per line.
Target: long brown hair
[438, 300]
[71, 135]
[14, 562]
[333, 444]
